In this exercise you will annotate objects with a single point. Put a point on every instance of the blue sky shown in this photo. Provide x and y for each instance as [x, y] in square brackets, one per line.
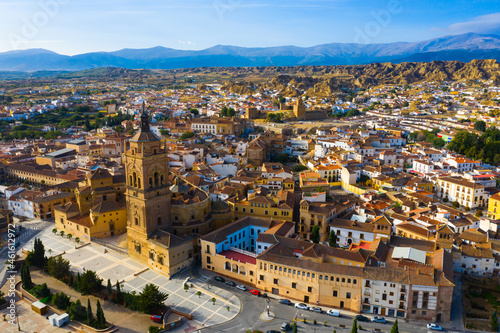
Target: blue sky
[78, 26]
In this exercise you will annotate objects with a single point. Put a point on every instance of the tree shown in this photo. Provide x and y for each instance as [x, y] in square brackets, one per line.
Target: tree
[109, 289]
[119, 295]
[87, 125]
[61, 301]
[199, 294]
[77, 239]
[354, 326]
[101, 320]
[90, 283]
[213, 300]
[90, 316]
[38, 258]
[69, 236]
[62, 233]
[480, 126]
[332, 239]
[294, 327]
[395, 328]
[26, 277]
[58, 267]
[186, 135]
[315, 234]
[77, 311]
[479, 213]
[299, 168]
[54, 231]
[151, 299]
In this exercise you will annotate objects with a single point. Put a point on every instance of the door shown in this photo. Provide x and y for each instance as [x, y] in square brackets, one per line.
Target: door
[383, 312]
[438, 317]
[306, 299]
[276, 291]
[341, 304]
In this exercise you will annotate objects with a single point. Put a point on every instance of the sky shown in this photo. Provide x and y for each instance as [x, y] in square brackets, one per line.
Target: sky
[80, 26]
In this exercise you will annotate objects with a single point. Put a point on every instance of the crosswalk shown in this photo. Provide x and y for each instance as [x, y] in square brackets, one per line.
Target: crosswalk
[204, 279]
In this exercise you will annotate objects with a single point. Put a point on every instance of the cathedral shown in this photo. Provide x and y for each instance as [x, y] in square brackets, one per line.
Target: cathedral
[164, 219]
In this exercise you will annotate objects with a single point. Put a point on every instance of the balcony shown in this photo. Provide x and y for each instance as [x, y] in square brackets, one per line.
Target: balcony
[403, 290]
[401, 307]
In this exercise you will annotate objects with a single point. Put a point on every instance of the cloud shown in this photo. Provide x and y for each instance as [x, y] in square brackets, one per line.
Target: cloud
[186, 42]
[489, 23]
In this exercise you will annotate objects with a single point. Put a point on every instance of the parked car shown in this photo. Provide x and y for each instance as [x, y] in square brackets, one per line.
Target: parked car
[316, 309]
[434, 327]
[285, 326]
[285, 301]
[302, 306]
[273, 331]
[219, 279]
[156, 318]
[255, 292]
[362, 318]
[378, 319]
[334, 313]
[231, 283]
[241, 287]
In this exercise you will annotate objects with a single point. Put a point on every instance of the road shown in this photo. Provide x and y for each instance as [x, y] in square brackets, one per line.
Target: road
[252, 307]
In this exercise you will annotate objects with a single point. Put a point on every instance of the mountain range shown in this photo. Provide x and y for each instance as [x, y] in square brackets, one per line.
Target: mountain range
[465, 48]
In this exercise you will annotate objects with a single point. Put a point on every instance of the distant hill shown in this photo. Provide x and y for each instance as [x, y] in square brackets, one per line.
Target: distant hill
[463, 48]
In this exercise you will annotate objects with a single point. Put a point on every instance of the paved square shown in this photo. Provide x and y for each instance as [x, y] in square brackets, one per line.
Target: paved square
[116, 267]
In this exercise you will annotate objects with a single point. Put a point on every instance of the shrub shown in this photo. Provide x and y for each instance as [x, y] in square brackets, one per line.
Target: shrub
[58, 267]
[61, 301]
[77, 311]
[40, 291]
[154, 329]
[151, 299]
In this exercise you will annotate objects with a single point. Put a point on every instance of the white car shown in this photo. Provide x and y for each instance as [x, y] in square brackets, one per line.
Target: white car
[333, 313]
[434, 327]
[378, 319]
[302, 306]
[241, 287]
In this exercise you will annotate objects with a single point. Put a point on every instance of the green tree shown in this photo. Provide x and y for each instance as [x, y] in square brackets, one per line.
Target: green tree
[26, 277]
[101, 320]
[119, 296]
[38, 253]
[87, 125]
[332, 239]
[315, 234]
[109, 289]
[151, 299]
[61, 301]
[90, 316]
[186, 135]
[480, 126]
[58, 267]
[294, 327]
[77, 311]
[395, 328]
[354, 326]
[90, 283]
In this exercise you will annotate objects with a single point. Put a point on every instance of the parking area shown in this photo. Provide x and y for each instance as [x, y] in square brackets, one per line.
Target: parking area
[133, 277]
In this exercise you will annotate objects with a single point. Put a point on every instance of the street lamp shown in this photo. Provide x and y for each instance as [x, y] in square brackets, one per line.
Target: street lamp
[267, 305]
[16, 313]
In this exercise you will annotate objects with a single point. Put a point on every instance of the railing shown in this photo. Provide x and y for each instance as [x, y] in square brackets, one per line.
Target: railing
[250, 254]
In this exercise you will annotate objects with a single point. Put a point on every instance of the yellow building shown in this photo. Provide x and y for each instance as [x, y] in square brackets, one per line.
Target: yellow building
[97, 211]
[277, 206]
[313, 182]
[494, 206]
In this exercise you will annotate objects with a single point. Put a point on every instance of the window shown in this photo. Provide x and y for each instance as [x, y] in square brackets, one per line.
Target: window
[261, 277]
[335, 293]
[294, 285]
[275, 281]
[348, 295]
[384, 297]
[309, 289]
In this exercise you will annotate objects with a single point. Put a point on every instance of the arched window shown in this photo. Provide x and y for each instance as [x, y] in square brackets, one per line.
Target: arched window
[228, 266]
[136, 221]
[156, 178]
[134, 177]
[150, 182]
[139, 182]
[161, 180]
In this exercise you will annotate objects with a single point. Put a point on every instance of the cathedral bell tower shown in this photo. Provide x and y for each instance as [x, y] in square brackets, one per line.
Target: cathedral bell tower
[147, 191]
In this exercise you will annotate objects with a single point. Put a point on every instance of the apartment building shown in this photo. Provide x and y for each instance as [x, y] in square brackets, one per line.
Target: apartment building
[494, 206]
[466, 193]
